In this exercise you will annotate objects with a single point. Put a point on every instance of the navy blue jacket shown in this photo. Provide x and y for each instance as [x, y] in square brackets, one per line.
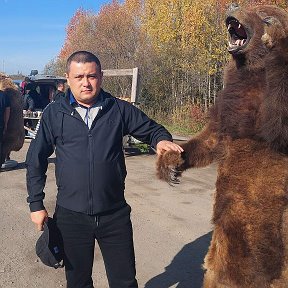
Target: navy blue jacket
[90, 166]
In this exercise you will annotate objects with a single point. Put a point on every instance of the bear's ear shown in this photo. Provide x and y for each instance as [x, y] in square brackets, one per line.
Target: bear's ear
[270, 20]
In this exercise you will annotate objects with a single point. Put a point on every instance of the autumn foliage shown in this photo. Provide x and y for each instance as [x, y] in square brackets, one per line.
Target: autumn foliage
[178, 45]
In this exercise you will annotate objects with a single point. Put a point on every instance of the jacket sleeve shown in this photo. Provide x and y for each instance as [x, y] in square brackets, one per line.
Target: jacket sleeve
[143, 128]
[37, 162]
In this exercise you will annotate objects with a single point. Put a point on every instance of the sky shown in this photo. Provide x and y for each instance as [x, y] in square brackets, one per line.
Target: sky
[33, 31]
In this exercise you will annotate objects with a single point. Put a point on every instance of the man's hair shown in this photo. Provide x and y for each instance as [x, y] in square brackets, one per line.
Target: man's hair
[82, 57]
[60, 83]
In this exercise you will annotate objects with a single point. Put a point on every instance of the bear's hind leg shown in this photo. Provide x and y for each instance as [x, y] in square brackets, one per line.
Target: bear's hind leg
[282, 282]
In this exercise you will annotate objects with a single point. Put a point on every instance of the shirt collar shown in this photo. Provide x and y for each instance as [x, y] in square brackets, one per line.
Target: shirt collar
[72, 99]
[74, 102]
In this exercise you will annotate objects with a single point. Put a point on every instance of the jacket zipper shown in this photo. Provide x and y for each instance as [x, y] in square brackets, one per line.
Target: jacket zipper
[90, 151]
[90, 188]
[97, 220]
[90, 196]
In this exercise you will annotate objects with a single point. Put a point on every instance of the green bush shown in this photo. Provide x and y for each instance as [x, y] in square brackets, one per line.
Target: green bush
[184, 120]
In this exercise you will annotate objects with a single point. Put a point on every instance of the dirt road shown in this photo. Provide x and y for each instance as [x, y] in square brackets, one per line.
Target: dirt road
[171, 228]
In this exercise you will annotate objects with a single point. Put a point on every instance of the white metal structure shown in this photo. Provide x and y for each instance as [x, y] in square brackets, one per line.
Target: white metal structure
[126, 72]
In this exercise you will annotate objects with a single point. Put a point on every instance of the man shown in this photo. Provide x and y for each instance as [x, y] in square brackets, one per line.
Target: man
[39, 102]
[87, 128]
[28, 101]
[60, 91]
[4, 118]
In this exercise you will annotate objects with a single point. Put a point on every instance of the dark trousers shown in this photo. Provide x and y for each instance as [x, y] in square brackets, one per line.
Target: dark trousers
[114, 235]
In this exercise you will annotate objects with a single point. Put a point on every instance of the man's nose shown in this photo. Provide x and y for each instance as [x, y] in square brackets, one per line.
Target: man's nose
[86, 81]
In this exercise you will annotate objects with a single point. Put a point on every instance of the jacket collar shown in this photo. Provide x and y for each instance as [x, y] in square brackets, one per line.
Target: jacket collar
[104, 99]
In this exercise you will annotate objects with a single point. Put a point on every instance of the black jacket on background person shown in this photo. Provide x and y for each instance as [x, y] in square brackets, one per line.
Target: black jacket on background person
[90, 166]
[28, 103]
[58, 94]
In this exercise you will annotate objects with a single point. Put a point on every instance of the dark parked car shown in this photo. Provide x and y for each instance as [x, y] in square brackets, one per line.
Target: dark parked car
[44, 86]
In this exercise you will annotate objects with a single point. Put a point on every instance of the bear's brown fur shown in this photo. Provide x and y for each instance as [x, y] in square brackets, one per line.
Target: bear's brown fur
[15, 135]
[248, 135]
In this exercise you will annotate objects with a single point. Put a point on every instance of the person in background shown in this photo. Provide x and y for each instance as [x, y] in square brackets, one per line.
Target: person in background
[28, 100]
[60, 91]
[40, 102]
[86, 128]
[4, 118]
[23, 84]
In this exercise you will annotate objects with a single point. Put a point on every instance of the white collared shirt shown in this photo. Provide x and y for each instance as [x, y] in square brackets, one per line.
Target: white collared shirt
[88, 114]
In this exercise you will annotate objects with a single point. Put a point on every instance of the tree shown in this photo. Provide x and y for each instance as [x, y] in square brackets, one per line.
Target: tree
[179, 46]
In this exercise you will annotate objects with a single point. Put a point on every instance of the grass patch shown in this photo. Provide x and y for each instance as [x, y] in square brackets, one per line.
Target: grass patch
[143, 148]
[186, 120]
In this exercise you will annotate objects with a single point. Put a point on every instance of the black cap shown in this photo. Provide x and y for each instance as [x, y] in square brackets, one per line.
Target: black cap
[49, 246]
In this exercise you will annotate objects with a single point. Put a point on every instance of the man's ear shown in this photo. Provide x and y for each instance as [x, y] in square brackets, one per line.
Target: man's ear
[101, 77]
[67, 78]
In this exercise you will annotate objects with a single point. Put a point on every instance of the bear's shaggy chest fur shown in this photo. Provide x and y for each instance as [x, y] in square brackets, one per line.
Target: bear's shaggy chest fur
[247, 247]
[248, 136]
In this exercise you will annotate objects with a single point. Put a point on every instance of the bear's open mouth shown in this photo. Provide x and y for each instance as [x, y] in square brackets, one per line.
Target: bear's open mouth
[238, 37]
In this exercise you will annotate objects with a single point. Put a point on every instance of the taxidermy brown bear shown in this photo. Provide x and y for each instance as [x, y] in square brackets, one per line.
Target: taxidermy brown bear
[247, 135]
[14, 137]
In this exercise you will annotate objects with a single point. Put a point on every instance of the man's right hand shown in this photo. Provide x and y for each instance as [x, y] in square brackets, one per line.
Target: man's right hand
[39, 217]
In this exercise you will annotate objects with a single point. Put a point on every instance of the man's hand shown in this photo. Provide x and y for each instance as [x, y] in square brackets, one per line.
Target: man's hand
[39, 217]
[165, 145]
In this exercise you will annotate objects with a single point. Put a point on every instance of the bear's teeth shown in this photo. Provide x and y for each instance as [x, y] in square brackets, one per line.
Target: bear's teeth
[238, 42]
[232, 45]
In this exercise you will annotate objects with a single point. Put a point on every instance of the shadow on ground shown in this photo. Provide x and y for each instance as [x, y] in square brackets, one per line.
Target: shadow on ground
[133, 151]
[129, 151]
[185, 269]
[20, 166]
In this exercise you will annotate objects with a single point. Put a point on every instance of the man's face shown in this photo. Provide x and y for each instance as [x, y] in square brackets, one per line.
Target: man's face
[85, 81]
[61, 87]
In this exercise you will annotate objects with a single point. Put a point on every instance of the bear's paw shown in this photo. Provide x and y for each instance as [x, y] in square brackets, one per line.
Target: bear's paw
[169, 167]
